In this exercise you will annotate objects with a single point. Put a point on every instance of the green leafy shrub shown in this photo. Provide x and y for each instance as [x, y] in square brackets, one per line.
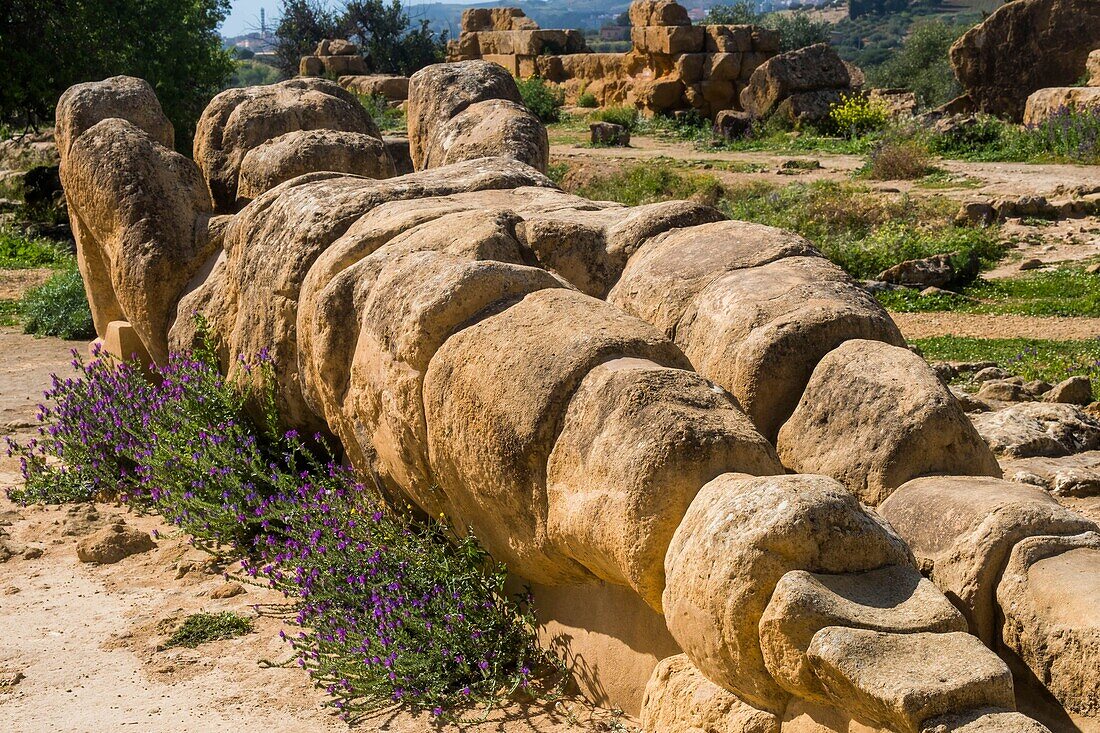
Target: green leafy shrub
[625, 116]
[19, 251]
[1068, 136]
[646, 183]
[857, 115]
[921, 65]
[543, 98]
[202, 628]
[899, 160]
[58, 307]
[863, 232]
[587, 100]
[392, 609]
[387, 117]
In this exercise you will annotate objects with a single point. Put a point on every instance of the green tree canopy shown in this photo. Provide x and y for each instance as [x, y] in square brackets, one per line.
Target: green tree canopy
[47, 46]
[302, 25]
[922, 64]
[386, 40]
[796, 30]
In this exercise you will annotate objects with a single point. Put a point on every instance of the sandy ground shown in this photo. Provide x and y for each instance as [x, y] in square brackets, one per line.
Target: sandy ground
[83, 641]
[13, 283]
[924, 325]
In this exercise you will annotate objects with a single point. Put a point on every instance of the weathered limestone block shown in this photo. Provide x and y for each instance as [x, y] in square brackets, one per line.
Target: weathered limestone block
[393, 88]
[137, 246]
[332, 65]
[729, 38]
[722, 66]
[1024, 46]
[874, 416]
[1039, 429]
[657, 12]
[492, 128]
[740, 536]
[668, 39]
[496, 396]
[658, 95]
[984, 721]
[1092, 68]
[238, 120]
[900, 681]
[1043, 104]
[422, 289]
[811, 107]
[892, 599]
[495, 19]
[662, 278]
[637, 444]
[809, 69]
[470, 109]
[760, 331]
[679, 699]
[125, 97]
[963, 542]
[531, 42]
[304, 151]
[1050, 598]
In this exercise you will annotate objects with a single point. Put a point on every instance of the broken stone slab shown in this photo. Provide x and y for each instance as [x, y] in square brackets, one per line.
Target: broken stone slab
[902, 680]
[679, 699]
[962, 528]
[1038, 429]
[1004, 390]
[1077, 475]
[1073, 391]
[608, 133]
[894, 599]
[1050, 598]
[985, 721]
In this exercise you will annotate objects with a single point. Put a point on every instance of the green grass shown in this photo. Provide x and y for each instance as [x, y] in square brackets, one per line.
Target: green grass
[646, 183]
[201, 628]
[387, 118]
[863, 232]
[58, 307]
[20, 252]
[1048, 360]
[1066, 291]
[9, 312]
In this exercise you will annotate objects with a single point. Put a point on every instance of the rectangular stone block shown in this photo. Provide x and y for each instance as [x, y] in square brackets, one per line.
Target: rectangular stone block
[728, 38]
[765, 40]
[507, 60]
[719, 93]
[672, 40]
[691, 67]
[527, 66]
[723, 66]
[496, 43]
[751, 61]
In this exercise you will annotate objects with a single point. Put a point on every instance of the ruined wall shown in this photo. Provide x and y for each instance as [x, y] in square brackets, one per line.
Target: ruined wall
[673, 64]
[675, 425]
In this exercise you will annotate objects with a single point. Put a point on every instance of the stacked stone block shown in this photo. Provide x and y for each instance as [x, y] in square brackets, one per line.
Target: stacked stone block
[333, 58]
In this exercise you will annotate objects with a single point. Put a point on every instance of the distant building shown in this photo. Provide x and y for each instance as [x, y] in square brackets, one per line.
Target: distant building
[615, 33]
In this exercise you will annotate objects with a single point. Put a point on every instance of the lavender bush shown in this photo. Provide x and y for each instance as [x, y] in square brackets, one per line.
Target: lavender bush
[392, 609]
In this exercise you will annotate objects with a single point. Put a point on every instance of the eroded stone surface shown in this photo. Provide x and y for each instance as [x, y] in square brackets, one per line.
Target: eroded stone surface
[679, 699]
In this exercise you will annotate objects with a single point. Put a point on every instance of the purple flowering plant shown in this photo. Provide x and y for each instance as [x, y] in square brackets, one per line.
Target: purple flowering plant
[391, 608]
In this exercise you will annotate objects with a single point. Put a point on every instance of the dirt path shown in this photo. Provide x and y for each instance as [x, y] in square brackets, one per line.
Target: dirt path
[925, 325]
[84, 640]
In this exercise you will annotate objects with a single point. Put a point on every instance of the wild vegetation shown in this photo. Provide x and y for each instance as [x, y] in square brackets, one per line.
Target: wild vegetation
[391, 607]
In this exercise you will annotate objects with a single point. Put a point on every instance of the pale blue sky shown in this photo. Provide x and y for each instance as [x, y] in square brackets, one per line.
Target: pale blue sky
[245, 14]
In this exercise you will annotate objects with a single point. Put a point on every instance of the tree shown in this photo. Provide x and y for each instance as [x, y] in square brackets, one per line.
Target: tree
[796, 30]
[302, 25]
[386, 40]
[49, 45]
[922, 64]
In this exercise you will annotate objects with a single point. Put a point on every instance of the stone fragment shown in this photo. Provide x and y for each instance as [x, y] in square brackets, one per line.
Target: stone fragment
[964, 544]
[809, 69]
[894, 599]
[495, 397]
[609, 134]
[393, 88]
[657, 13]
[1031, 264]
[1045, 104]
[1039, 429]
[227, 590]
[1004, 390]
[741, 535]
[1077, 475]
[1073, 391]
[874, 416]
[113, 543]
[1049, 595]
[984, 721]
[1024, 46]
[934, 271]
[900, 681]
[238, 120]
[637, 444]
[306, 151]
[679, 699]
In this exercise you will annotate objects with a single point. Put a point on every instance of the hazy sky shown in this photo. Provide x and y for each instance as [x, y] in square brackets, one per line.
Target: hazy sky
[245, 14]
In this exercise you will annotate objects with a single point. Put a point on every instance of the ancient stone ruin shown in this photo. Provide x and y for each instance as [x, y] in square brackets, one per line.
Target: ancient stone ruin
[743, 504]
[673, 64]
[333, 58]
[1024, 46]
